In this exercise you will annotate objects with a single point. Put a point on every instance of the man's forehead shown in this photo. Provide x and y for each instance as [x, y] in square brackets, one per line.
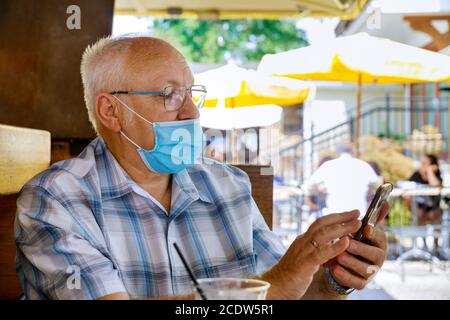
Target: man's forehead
[169, 74]
[166, 66]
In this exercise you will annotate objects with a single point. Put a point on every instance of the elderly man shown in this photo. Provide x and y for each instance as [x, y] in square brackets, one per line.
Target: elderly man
[102, 225]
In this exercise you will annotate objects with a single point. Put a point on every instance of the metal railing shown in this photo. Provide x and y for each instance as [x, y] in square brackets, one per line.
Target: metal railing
[391, 117]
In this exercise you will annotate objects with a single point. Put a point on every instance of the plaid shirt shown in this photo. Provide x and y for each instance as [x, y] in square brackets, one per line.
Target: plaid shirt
[85, 229]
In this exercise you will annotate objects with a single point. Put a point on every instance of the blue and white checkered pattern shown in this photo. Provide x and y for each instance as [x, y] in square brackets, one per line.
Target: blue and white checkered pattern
[85, 229]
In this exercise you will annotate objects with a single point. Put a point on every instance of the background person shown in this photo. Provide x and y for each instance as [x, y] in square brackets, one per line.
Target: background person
[428, 174]
[347, 181]
[316, 197]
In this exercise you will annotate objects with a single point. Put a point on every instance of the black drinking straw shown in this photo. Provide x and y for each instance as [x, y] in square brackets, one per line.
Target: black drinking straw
[191, 274]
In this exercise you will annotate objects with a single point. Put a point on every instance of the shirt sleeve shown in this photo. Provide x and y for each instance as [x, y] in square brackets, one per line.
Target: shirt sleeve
[267, 246]
[439, 177]
[416, 177]
[54, 260]
[318, 176]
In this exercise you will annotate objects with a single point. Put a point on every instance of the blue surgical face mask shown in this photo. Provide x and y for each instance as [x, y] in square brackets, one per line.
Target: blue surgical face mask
[178, 144]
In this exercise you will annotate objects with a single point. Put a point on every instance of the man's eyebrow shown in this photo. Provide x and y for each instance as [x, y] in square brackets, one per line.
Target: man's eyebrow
[178, 83]
[173, 82]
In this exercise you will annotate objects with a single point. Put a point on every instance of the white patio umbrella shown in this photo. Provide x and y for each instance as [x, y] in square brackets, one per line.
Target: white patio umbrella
[232, 90]
[240, 118]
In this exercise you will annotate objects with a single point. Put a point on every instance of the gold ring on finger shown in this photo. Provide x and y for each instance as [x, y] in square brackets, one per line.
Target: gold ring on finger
[314, 243]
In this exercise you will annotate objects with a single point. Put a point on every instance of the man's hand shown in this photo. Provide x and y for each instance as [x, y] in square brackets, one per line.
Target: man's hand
[293, 274]
[360, 262]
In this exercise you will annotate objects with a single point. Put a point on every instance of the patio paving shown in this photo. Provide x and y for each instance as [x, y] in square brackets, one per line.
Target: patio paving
[419, 284]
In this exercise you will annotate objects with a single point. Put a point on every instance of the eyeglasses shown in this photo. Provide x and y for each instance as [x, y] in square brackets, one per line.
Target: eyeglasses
[174, 96]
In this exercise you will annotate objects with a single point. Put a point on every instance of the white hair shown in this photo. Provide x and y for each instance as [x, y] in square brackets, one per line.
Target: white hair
[102, 70]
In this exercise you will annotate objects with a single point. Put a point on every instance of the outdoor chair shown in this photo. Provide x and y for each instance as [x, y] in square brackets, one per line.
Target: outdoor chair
[23, 153]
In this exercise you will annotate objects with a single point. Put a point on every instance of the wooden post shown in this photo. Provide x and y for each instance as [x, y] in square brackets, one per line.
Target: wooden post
[388, 115]
[312, 148]
[423, 93]
[358, 115]
[234, 146]
[437, 106]
[448, 126]
[234, 138]
[411, 107]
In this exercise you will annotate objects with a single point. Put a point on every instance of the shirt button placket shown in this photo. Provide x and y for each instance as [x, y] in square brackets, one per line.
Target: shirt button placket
[171, 254]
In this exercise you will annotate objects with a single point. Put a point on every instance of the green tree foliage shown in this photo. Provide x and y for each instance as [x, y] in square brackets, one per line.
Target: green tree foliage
[219, 41]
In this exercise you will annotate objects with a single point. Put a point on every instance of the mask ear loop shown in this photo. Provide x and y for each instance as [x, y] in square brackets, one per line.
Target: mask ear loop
[137, 114]
[126, 137]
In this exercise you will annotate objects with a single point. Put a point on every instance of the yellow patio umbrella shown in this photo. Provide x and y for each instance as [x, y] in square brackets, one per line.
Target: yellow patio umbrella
[231, 86]
[239, 87]
[359, 58]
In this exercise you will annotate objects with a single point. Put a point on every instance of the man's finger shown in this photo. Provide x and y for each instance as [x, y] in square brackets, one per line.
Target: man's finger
[347, 279]
[336, 231]
[372, 254]
[376, 236]
[326, 252]
[335, 218]
[354, 264]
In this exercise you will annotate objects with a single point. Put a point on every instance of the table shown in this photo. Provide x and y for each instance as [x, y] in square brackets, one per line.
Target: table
[414, 192]
[415, 231]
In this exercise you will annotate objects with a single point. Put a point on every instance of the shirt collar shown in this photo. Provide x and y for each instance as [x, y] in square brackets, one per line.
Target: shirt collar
[184, 183]
[113, 179]
[115, 182]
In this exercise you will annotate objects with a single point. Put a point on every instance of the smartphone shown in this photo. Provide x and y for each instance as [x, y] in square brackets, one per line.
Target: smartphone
[374, 209]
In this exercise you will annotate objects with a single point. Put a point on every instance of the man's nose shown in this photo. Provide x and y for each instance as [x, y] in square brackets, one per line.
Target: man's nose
[189, 110]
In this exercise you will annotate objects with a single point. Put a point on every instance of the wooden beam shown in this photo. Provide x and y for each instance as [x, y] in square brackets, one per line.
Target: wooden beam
[424, 24]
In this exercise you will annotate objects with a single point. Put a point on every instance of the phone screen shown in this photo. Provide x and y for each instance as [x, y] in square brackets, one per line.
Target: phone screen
[374, 209]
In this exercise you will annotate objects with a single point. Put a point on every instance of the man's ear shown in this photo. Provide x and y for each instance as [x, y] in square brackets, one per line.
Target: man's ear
[106, 110]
